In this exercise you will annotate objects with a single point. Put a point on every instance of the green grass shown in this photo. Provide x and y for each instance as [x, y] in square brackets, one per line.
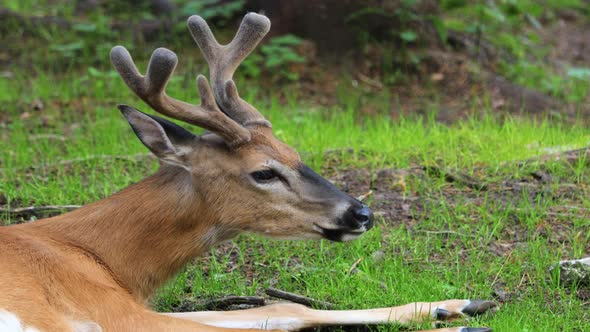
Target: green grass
[84, 109]
[420, 263]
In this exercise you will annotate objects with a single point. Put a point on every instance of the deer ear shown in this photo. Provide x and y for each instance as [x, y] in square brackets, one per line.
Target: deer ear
[167, 140]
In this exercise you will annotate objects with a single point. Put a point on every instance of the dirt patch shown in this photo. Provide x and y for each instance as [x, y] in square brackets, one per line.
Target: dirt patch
[396, 199]
[569, 39]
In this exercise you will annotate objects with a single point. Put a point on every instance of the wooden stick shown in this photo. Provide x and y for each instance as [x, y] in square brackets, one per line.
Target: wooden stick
[307, 301]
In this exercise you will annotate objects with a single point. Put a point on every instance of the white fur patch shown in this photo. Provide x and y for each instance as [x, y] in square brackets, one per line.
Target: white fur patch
[350, 236]
[275, 323]
[86, 327]
[9, 322]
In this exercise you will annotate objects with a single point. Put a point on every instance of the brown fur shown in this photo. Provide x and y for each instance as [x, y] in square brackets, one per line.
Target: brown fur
[264, 141]
[103, 261]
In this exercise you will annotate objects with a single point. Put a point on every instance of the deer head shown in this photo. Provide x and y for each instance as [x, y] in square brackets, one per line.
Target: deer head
[243, 176]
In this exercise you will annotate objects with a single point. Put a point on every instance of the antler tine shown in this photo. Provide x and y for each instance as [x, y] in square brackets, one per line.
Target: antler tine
[151, 89]
[223, 61]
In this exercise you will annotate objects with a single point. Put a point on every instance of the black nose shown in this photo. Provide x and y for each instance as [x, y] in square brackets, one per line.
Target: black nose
[363, 217]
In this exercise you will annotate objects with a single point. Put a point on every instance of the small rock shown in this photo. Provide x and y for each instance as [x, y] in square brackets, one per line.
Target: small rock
[574, 272]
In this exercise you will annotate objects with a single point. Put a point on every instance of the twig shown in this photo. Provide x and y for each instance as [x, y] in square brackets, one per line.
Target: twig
[354, 265]
[225, 302]
[582, 213]
[133, 158]
[522, 279]
[32, 210]
[365, 195]
[455, 177]
[307, 301]
[446, 232]
[502, 267]
[565, 215]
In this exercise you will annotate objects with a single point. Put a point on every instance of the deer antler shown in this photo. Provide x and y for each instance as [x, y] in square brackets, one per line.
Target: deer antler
[151, 88]
[224, 59]
[235, 113]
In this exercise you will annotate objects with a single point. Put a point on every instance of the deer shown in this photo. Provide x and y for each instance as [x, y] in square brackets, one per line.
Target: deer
[95, 268]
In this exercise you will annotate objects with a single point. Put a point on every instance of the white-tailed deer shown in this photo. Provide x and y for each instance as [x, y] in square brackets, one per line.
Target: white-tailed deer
[94, 269]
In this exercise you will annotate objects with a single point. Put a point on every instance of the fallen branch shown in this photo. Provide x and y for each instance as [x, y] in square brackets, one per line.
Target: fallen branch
[225, 303]
[35, 210]
[307, 301]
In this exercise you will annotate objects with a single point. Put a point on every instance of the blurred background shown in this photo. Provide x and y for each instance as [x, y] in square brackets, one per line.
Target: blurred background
[528, 57]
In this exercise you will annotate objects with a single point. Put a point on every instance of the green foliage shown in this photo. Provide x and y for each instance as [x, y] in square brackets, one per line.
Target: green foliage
[222, 11]
[274, 58]
[208, 9]
[402, 52]
[91, 37]
[514, 28]
[81, 43]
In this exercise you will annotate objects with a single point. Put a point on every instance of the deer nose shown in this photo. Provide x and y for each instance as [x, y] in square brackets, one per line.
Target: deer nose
[363, 217]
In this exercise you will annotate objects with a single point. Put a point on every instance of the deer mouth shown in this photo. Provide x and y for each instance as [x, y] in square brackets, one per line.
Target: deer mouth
[339, 234]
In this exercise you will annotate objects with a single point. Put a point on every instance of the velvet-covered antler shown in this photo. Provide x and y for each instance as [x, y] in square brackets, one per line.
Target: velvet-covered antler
[223, 61]
[235, 114]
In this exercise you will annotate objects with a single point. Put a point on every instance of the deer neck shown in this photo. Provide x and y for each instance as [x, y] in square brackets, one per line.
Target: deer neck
[145, 233]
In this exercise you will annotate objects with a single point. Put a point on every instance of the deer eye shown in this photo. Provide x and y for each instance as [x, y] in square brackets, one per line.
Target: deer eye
[264, 176]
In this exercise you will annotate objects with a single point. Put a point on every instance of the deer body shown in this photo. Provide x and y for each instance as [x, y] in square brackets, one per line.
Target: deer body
[75, 263]
[94, 269]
